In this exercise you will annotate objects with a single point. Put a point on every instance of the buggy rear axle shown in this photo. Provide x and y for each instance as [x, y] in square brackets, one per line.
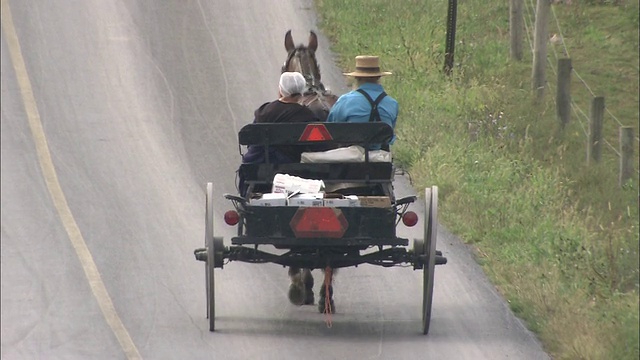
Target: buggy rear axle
[320, 259]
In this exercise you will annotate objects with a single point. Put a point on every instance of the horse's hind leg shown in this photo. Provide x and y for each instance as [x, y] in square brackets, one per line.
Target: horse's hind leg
[297, 287]
[307, 279]
[327, 286]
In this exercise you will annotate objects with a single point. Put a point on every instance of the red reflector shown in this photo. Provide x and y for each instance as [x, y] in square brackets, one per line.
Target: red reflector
[316, 222]
[410, 218]
[315, 132]
[231, 217]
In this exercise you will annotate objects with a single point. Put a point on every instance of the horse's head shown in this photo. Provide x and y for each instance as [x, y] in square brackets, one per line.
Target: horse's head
[302, 59]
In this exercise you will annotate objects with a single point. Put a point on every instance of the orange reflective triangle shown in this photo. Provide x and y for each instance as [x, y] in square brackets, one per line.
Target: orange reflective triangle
[315, 132]
[315, 135]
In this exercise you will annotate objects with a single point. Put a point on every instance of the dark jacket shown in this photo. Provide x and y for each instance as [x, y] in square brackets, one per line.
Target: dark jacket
[279, 112]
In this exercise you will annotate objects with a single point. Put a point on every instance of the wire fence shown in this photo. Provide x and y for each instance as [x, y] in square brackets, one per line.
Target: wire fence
[559, 39]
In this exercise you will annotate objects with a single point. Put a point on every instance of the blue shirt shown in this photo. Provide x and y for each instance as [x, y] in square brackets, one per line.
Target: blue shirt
[354, 107]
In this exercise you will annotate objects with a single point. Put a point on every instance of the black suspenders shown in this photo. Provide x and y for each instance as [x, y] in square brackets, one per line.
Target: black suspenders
[375, 115]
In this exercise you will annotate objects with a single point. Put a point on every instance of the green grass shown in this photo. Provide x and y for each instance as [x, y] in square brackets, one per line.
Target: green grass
[557, 237]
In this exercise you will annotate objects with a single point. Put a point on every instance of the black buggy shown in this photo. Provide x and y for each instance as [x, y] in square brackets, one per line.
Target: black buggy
[321, 237]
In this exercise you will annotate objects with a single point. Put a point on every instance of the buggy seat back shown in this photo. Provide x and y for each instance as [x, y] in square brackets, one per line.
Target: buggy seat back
[327, 135]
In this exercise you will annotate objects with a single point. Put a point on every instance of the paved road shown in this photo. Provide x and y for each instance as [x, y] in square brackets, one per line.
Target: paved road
[114, 116]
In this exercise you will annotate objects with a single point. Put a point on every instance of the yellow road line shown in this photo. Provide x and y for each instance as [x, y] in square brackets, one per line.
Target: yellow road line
[57, 195]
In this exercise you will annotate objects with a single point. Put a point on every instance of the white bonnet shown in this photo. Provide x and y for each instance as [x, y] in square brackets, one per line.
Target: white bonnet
[291, 83]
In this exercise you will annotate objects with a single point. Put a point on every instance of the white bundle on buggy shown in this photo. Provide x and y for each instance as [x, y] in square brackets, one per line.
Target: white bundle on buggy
[349, 154]
[283, 183]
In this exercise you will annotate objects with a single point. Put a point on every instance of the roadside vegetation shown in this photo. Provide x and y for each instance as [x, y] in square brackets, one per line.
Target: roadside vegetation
[559, 238]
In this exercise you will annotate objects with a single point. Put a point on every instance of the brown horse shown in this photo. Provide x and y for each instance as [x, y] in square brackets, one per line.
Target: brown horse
[302, 59]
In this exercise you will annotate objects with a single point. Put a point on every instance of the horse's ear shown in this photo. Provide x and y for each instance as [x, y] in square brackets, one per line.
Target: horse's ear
[313, 41]
[288, 42]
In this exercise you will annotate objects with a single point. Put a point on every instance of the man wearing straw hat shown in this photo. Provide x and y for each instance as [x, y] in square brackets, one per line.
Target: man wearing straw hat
[368, 102]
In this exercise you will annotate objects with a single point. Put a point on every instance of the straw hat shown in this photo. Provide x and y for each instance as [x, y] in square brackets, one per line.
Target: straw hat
[367, 66]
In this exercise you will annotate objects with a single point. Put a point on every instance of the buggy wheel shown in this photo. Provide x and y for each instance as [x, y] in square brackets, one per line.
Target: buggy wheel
[209, 243]
[429, 252]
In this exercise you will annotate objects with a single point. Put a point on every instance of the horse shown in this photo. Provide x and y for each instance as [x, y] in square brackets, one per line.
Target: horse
[302, 58]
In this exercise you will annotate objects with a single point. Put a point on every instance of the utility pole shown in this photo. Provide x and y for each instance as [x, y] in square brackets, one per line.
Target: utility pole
[451, 36]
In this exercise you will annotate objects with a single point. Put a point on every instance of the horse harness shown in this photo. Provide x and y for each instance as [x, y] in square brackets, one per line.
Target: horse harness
[308, 98]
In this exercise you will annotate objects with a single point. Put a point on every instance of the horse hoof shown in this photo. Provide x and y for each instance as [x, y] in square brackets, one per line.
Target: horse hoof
[297, 294]
[322, 308]
[309, 298]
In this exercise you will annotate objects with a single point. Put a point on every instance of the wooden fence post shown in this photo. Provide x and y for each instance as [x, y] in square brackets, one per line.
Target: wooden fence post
[626, 153]
[594, 150]
[516, 29]
[540, 48]
[563, 95]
